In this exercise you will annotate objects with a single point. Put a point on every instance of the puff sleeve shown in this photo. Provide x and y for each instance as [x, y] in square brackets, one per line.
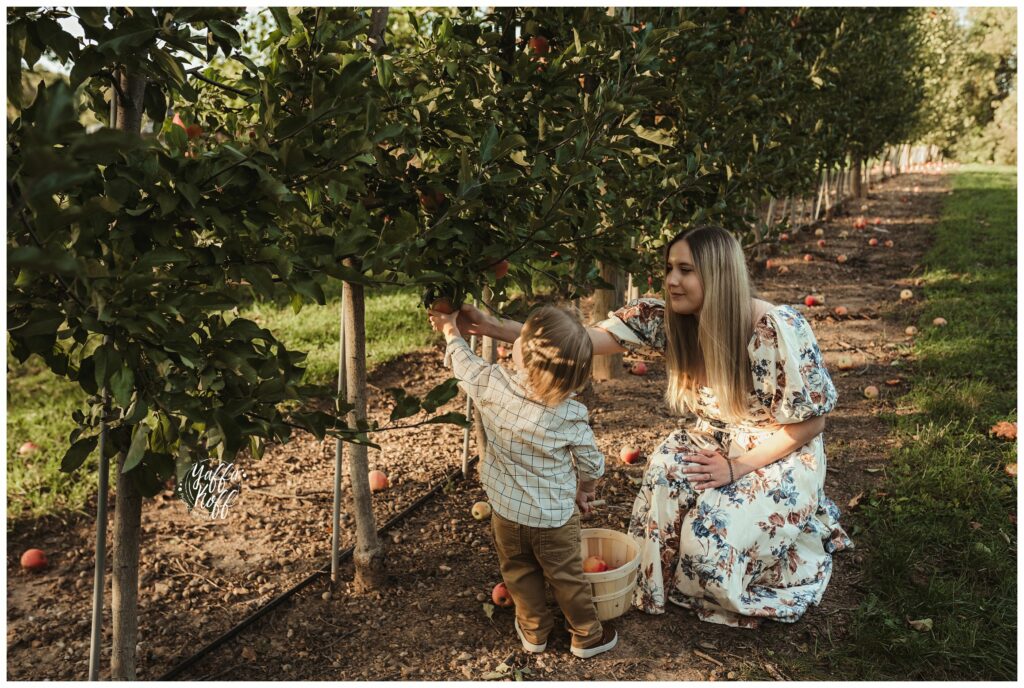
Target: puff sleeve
[639, 326]
[789, 374]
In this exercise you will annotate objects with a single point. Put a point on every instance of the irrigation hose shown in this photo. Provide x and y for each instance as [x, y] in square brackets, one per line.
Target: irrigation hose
[325, 569]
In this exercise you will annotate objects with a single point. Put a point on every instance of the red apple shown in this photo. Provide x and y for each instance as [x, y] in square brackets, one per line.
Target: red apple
[872, 241]
[443, 305]
[538, 45]
[639, 368]
[33, 560]
[193, 131]
[876, 221]
[783, 237]
[811, 301]
[594, 564]
[840, 310]
[431, 201]
[378, 481]
[841, 258]
[481, 510]
[889, 243]
[177, 120]
[500, 596]
[821, 243]
[28, 448]
[500, 268]
[808, 257]
[554, 254]
[768, 264]
[629, 455]
[860, 223]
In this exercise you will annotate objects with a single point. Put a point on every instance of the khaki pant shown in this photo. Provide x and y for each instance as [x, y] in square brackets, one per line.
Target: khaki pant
[528, 556]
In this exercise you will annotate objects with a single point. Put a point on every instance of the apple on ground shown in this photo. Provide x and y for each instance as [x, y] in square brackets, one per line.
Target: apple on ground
[783, 237]
[500, 596]
[33, 560]
[481, 510]
[845, 362]
[378, 481]
[877, 221]
[939, 322]
[594, 564]
[889, 243]
[629, 455]
[638, 368]
[906, 295]
[28, 448]
[841, 258]
[872, 241]
[808, 257]
[840, 310]
[783, 269]
[871, 392]
[910, 331]
[819, 232]
[821, 243]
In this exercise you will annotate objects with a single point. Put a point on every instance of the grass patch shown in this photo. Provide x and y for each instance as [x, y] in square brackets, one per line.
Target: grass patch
[39, 404]
[941, 534]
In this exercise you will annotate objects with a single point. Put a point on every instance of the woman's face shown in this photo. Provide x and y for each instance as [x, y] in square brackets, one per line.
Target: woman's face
[685, 292]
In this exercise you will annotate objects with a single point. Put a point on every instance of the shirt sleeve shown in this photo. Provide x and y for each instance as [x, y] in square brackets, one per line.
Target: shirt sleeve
[589, 459]
[789, 374]
[473, 373]
[639, 326]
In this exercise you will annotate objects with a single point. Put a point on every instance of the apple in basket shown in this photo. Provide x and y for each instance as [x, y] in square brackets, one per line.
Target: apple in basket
[594, 564]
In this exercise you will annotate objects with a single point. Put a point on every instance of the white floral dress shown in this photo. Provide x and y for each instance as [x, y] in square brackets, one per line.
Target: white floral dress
[760, 547]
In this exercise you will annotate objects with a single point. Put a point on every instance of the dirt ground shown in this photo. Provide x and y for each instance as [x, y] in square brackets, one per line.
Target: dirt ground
[201, 577]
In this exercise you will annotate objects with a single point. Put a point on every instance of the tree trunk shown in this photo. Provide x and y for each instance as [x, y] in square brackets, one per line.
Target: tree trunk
[488, 352]
[856, 178]
[369, 552]
[128, 501]
[608, 367]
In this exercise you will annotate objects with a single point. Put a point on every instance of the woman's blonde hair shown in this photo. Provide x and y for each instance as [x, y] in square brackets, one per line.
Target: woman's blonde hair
[716, 340]
[557, 353]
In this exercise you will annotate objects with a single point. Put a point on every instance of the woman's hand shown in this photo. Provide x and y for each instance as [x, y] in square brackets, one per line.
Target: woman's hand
[444, 322]
[711, 470]
[472, 320]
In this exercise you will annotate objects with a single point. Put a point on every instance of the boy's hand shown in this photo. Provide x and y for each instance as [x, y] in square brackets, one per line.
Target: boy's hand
[585, 494]
[444, 322]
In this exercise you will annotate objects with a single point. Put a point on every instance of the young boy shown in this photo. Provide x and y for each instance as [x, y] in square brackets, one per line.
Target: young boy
[533, 432]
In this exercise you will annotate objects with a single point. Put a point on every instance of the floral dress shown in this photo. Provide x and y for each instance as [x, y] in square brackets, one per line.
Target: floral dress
[760, 547]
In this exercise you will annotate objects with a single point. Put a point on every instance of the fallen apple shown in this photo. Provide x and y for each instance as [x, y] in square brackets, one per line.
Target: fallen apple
[638, 368]
[910, 331]
[811, 301]
[768, 264]
[840, 310]
[783, 237]
[33, 560]
[481, 510]
[876, 221]
[872, 241]
[783, 269]
[378, 481]
[889, 243]
[629, 455]
[906, 295]
[860, 223]
[808, 257]
[819, 232]
[844, 362]
[594, 564]
[939, 322]
[841, 258]
[28, 449]
[821, 243]
[844, 234]
[871, 392]
[500, 596]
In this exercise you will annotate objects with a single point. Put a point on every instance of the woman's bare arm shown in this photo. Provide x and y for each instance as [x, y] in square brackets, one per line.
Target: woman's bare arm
[604, 343]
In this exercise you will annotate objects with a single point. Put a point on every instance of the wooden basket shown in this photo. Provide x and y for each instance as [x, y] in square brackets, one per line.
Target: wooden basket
[613, 589]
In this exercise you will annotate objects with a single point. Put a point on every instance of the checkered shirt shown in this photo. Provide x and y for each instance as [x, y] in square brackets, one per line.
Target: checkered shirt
[527, 469]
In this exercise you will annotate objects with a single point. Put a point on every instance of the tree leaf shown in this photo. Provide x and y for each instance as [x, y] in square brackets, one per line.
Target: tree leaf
[440, 395]
[140, 437]
[283, 19]
[77, 453]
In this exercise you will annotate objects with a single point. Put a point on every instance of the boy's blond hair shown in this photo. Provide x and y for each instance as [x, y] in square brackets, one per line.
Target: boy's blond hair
[557, 353]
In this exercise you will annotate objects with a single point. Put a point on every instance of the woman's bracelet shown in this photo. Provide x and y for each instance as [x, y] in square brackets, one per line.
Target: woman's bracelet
[732, 476]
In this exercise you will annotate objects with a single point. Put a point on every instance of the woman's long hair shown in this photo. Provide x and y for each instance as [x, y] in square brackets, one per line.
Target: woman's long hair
[716, 340]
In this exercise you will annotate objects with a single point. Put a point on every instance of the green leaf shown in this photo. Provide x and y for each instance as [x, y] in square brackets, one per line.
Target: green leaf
[77, 453]
[488, 143]
[168, 65]
[405, 405]
[140, 437]
[453, 417]
[122, 384]
[124, 45]
[283, 19]
[440, 395]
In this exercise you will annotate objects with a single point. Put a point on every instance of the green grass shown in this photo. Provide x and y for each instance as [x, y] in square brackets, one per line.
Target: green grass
[39, 404]
[940, 543]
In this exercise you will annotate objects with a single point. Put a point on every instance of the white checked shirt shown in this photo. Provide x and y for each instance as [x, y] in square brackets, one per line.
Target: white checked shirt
[527, 469]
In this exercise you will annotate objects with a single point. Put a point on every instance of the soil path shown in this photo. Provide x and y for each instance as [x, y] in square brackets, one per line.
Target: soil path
[201, 577]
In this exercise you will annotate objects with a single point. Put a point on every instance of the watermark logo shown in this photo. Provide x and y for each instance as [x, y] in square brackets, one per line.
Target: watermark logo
[213, 487]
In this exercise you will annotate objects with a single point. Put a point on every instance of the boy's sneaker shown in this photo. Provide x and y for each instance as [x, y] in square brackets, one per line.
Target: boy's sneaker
[608, 640]
[527, 645]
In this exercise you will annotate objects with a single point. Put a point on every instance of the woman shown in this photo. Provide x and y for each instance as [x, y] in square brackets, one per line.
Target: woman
[731, 518]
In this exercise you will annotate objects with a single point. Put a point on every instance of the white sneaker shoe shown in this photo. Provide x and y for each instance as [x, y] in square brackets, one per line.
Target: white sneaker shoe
[527, 645]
